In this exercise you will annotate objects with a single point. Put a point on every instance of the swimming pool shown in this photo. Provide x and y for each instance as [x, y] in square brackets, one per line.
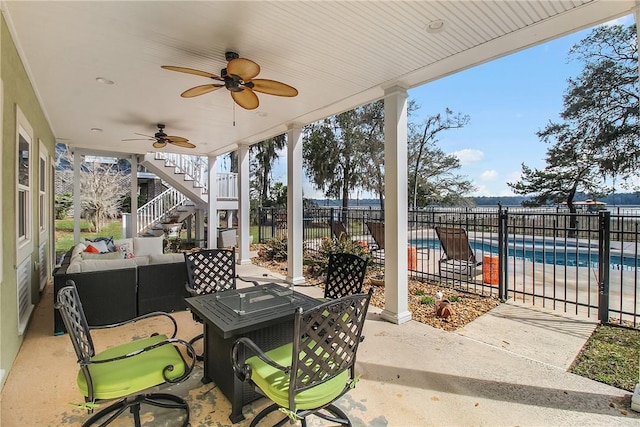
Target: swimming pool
[547, 252]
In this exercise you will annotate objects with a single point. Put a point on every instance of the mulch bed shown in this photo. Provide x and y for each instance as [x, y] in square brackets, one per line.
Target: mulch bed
[465, 306]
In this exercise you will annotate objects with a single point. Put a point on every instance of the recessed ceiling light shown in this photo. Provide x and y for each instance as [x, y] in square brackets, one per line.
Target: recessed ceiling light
[104, 81]
[435, 26]
[96, 130]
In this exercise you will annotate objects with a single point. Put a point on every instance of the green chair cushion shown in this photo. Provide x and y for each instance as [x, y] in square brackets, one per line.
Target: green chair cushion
[128, 376]
[275, 384]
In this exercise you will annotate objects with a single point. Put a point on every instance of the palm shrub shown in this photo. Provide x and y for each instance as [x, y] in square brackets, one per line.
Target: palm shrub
[274, 249]
[317, 265]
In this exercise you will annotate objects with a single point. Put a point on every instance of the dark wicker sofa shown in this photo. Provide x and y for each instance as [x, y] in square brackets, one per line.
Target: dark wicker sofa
[113, 295]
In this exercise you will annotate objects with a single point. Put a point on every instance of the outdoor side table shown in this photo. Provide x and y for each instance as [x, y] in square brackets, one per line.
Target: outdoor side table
[261, 313]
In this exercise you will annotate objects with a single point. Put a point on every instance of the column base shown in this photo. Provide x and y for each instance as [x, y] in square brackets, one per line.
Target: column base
[397, 318]
[295, 280]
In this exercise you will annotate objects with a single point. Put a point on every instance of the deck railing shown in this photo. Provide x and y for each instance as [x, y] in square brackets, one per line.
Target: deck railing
[583, 263]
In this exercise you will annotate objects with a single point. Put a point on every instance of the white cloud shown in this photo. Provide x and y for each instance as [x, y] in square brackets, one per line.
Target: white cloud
[490, 175]
[468, 156]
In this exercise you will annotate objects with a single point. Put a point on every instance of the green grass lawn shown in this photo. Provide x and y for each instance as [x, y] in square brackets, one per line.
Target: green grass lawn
[64, 232]
[611, 356]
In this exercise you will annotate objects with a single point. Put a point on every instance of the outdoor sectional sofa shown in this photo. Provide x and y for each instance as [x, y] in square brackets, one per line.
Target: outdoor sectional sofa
[113, 288]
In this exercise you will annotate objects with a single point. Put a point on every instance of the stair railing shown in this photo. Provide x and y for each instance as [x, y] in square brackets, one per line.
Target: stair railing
[194, 168]
[157, 208]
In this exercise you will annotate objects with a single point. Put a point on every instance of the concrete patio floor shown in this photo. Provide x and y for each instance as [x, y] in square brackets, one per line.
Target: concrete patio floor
[506, 368]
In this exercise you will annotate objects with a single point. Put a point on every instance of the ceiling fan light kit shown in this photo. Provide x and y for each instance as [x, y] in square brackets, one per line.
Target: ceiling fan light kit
[238, 77]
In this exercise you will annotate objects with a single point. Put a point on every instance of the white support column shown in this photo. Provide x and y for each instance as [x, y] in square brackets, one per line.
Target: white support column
[244, 205]
[229, 216]
[77, 202]
[212, 221]
[200, 228]
[294, 205]
[395, 207]
[134, 195]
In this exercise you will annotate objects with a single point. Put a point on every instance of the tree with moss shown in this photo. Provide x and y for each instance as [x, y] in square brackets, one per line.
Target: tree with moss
[433, 177]
[597, 141]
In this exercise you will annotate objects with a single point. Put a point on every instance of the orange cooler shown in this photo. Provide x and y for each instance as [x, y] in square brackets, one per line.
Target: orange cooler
[412, 254]
[490, 269]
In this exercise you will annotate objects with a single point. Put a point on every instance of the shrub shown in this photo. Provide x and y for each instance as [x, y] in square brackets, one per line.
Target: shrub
[63, 203]
[343, 244]
[274, 249]
[427, 300]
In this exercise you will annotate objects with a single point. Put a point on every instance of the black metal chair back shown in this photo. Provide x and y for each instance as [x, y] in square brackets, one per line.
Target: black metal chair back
[70, 308]
[323, 350]
[210, 271]
[326, 340]
[345, 275]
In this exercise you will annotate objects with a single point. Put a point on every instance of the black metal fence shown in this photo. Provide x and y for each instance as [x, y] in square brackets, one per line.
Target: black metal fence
[584, 263]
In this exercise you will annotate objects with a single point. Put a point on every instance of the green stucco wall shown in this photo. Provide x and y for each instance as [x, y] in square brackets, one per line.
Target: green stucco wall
[17, 91]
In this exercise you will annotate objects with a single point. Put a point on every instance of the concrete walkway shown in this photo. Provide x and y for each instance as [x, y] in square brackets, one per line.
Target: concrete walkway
[508, 368]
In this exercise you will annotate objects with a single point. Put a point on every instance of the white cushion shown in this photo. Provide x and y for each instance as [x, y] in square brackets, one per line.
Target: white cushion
[78, 249]
[99, 265]
[141, 260]
[166, 258]
[147, 245]
[124, 245]
[108, 255]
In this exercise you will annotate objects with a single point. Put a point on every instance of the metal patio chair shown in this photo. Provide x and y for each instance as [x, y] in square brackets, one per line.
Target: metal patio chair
[345, 275]
[210, 271]
[124, 371]
[309, 374]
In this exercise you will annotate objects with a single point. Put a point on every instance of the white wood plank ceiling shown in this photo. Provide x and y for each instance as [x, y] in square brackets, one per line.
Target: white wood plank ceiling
[338, 54]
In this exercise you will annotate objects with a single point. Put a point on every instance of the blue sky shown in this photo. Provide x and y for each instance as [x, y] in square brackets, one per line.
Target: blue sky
[508, 101]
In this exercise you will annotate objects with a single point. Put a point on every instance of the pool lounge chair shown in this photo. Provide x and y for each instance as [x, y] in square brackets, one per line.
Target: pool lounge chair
[457, 259]
[377, 232]
[338, 229]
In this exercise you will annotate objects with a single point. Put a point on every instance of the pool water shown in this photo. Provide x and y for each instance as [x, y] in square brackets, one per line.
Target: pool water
[547, 252]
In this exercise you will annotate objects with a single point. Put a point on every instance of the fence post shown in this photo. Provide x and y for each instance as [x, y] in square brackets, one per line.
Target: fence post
[273, 222]
[331, 223]
[502, 253]
[260, 213]
[604, 250]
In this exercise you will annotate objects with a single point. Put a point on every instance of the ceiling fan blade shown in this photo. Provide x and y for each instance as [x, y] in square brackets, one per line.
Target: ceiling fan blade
[273, 87]
[200, 90]
[159, 144]
[246, 98]
[138, 139]
[174, 139]
[182, 143]
[191, 71]
[245, 68]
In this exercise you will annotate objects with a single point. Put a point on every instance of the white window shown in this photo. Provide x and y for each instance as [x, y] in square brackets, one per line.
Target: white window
[43, 206]
[24, 214]
[1, 163]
